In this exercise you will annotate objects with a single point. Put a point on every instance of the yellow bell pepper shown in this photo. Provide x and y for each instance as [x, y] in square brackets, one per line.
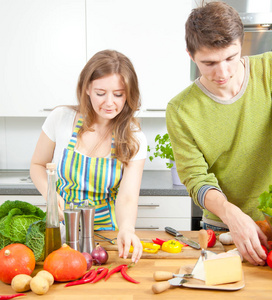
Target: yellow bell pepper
[172, 246]
[148, 247]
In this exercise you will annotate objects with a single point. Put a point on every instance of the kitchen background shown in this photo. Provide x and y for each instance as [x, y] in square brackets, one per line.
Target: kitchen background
[45, 44]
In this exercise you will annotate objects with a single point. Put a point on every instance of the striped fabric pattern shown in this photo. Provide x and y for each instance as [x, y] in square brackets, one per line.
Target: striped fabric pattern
[93, 178]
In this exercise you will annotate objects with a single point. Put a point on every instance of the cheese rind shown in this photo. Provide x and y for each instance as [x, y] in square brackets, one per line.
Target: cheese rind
[223, 270]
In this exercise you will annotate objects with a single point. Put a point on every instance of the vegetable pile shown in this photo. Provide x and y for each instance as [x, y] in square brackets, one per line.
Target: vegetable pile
[22, 222]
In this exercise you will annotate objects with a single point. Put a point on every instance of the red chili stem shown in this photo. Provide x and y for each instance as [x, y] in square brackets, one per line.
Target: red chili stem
[103, 273]
[115, 270]
[11, 296]
[126, 276]
[83, 281]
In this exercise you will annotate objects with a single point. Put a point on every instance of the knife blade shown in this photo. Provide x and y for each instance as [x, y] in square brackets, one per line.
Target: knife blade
[182, 238]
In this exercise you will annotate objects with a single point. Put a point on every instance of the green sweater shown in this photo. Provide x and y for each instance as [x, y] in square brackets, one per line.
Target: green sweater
[226, 144]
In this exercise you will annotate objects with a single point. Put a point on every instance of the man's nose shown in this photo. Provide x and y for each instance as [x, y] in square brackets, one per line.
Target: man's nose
[222, 70]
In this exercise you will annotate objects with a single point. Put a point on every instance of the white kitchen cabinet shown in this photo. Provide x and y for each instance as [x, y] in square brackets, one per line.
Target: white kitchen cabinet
[157, 212]
[43, 49]
[34, 200]
[152, 34]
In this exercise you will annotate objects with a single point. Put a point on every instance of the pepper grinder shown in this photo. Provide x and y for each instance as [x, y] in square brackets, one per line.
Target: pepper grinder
[87, 227]
[72, 219]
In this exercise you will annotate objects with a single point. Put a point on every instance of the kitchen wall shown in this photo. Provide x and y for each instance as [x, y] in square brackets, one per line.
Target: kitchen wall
[19, 135]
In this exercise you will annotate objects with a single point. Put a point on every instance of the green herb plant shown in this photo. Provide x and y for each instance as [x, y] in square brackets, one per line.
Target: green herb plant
[163, 149]
[265, 201]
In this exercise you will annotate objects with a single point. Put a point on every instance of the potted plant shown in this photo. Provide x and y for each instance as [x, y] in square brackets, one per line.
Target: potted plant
[163, 149]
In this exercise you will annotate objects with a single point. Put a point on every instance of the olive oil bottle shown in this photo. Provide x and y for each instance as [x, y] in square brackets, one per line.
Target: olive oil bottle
[52, 231]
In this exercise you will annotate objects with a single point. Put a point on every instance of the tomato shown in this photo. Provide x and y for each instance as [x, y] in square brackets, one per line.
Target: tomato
[269, 259]
[265, 250]
[211, 238]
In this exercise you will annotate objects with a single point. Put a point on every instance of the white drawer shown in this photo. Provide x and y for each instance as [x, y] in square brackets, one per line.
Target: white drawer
[172, 207]
[161, 223]
[34, 200]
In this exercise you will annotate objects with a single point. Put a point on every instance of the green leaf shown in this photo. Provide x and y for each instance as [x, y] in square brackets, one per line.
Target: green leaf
[35, 239]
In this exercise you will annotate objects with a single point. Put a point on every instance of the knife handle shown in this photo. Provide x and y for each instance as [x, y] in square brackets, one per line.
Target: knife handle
[203, 238]
[162, 275]
[160, 287]
[172, 231]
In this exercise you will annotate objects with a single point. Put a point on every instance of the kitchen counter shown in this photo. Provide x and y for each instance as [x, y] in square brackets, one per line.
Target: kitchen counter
[258, 281]
[154, 183]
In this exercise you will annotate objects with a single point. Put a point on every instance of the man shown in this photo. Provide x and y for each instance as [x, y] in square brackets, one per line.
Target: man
[221, 128]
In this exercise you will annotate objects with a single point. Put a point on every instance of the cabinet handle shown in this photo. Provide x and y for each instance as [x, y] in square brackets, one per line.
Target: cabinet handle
[150, 227]
[151, 205]
[47, 109]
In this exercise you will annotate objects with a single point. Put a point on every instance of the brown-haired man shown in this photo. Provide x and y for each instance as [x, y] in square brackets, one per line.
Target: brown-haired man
[221, 128]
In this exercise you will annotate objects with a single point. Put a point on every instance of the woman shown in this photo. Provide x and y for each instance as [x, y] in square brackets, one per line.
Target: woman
[98, 147]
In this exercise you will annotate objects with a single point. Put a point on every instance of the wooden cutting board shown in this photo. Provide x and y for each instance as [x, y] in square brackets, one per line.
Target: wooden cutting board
[187, 252]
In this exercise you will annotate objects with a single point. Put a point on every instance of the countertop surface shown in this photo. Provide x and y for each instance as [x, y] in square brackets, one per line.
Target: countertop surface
[154, 183]
[257, 279]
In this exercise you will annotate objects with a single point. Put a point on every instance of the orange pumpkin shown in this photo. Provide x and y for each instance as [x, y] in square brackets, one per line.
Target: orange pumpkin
[65, 264]
[265, 229]
[16, 259]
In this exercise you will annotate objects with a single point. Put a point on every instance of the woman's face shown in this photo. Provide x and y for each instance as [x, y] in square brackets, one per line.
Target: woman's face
[107, 95]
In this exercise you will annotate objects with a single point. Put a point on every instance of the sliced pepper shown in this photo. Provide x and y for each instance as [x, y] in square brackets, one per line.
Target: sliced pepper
[172, 246]
[158, 241]
[147, 247]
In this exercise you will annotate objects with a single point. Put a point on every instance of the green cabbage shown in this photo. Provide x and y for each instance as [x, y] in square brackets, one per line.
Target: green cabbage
[22, 222]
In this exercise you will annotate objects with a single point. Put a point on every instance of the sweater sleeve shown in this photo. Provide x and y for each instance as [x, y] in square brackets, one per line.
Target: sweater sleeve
[191, 164]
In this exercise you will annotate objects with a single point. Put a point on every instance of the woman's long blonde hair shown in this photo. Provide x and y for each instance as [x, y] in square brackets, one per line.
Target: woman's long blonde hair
[105, 63]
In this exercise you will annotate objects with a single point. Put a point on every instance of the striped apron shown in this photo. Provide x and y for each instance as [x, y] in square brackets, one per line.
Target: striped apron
[94, 179]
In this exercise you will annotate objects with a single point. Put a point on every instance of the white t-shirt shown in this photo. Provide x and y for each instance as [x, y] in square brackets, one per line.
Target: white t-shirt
[58, 126]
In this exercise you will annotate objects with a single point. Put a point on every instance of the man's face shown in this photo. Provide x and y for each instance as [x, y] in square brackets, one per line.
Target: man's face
[218, 67]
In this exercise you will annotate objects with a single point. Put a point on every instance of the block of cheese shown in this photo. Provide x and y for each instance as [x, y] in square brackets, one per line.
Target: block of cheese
[221, 270]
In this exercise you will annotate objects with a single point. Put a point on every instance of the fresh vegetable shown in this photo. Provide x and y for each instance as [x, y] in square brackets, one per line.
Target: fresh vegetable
[15, 220]
[89, 260]
[265, 228]
[147, 247]
[264, 249]
[126, 276]
[85, 279]
[226, 238]
[39, 285]
[48, 276]
[102, 274]
[3, 297]
[115, 270]
[265, 200]
[65, 264]
[158, 241]
[269, 245]
[16, 259]
[172, 246]
[211, 238]
[21, 283]
[100, 255]
[269, 259]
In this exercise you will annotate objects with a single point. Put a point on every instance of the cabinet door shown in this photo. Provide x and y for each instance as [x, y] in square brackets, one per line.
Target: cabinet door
[151, 33]
[42, 52]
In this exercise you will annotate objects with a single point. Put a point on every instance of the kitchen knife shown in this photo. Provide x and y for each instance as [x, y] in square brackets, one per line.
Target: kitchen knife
[203, 242]
[182, 238]
[164, 275]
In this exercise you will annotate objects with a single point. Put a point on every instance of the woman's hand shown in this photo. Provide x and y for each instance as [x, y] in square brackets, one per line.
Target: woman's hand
[125, 239]
[60, 207]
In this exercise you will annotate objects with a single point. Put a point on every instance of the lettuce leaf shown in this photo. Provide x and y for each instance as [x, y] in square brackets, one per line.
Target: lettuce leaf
[265, 200]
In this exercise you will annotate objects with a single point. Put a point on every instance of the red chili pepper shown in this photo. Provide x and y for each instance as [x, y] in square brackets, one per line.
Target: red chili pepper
[90, 278]
[126, 276]
[88, 274]
[103, 273]
[158, 241]
[11, 296]
[115, 270]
